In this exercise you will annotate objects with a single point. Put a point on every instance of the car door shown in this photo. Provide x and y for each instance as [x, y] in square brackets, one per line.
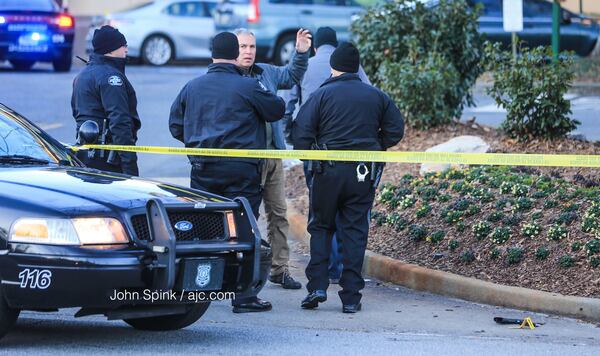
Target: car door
[191, 26]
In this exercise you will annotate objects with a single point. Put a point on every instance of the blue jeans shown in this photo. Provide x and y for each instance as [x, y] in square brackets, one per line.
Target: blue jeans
[335, 258]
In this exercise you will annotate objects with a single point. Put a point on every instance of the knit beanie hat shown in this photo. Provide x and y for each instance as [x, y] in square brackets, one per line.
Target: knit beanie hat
[225, 45]
[345, 58]
[107, 39]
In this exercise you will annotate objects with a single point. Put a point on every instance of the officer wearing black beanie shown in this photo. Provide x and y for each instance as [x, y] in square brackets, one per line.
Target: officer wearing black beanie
[102, 93]
[343, 114]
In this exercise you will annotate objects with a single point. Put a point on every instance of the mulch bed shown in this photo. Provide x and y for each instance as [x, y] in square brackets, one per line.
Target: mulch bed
[548, 275]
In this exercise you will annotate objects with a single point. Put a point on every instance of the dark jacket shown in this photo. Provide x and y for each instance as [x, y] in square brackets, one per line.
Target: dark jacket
[102, 91]
[223, 109]
[347, 114]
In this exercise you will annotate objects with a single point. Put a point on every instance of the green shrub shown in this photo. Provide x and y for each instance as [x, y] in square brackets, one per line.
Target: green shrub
[532, 90]
[453, 217]
[417, 232]
[591, 219]
[379, 217]
[549, 204]
[538, 215]
[495, 253]
[425, 57]
[462, 204]
[496, 216]
[520, 190]
[566, 218]
[522, 204]
[437, 236]
[506, 187]
[566, 261]
[514, 255]
[444, 198]
[396, 221]
[542, 253]
[467, 256]
[423, 211]
[481, 230]
[453, 244]
[531, 230]
[592, 247]
[473, 210]
[407, 202]
[595, 262]
[576, 246]
[460, 226]
[556, 232]
[500, 235]
[512, 220]
[539, 195]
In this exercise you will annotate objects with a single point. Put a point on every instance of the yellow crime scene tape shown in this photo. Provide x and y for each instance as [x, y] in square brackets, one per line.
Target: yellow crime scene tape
[495, 159]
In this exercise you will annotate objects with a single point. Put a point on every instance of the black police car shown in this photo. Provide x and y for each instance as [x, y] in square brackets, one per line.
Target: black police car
[131, 249]
[36, 31]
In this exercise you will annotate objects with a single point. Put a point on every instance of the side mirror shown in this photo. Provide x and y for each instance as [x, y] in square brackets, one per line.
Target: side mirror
[88, 133]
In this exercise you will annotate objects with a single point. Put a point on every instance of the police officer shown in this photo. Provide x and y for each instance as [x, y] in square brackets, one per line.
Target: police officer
[223, 109]
[102, 93]
[344, 114]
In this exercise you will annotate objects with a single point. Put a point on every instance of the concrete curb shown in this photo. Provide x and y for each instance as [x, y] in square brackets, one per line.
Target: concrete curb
[471, 289]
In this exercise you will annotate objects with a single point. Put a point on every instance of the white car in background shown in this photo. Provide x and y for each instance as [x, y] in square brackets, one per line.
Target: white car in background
[166, 30]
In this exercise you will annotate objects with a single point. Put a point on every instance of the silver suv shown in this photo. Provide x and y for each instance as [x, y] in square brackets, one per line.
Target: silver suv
[275, 22]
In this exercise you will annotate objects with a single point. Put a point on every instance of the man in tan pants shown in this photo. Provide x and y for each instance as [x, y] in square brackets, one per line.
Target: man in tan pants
[274, 78]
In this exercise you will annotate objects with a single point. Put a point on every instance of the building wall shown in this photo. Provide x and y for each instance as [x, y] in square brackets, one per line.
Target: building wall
[101, 7]
[589, 6]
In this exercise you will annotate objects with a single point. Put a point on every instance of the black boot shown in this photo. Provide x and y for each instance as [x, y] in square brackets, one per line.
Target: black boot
[286, 280]
[313, 299]
[253, 306]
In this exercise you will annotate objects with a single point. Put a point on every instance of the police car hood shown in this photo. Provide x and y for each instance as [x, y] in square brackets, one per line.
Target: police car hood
[81, 190]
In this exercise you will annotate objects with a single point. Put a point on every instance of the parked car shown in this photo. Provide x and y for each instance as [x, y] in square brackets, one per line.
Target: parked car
[72, 236]
[577, 33]
[36, 31]
[161, 31]
[275, 22]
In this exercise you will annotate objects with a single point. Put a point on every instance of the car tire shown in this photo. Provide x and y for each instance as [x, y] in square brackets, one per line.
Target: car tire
[157, 50]
[63, 64]
[170, 322]
[285, 49]
[22, 65]
[8, 316]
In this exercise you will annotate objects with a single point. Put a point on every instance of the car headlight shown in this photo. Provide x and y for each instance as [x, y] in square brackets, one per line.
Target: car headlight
[80, 231]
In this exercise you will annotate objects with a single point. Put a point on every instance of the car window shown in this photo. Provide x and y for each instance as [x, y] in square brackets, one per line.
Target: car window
[537, 8]
[29, 5]
[490, 7]
[16, 140]
[296, 2]
[186, 9]
[209, 9]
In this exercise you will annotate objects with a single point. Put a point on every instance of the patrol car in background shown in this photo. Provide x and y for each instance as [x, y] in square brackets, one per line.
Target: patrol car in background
[36, 31]
[131, 249]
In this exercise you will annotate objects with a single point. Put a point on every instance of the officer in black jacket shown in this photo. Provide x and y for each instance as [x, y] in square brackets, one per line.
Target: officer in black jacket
[102, 93]
[223, 109]
[344, 114]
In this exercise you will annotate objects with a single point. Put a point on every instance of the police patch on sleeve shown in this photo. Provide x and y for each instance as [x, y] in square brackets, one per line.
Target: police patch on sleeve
[262, 86]
[115, 81]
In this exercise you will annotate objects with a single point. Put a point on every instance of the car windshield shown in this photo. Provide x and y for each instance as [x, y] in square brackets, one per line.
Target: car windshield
[29, 5]
[19, 139]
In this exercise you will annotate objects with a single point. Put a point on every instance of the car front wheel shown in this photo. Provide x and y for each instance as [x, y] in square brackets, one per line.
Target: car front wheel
[157, 50]
[170, 322]
[8, 316]
[285, 50]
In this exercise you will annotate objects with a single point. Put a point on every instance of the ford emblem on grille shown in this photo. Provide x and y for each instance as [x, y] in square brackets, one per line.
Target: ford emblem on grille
[184, 225]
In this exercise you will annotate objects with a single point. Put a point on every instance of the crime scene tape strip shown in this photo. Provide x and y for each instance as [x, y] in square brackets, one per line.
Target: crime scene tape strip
[495, 159]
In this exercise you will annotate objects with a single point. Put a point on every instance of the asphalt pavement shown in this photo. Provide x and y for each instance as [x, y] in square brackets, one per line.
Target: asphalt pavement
[394, 320]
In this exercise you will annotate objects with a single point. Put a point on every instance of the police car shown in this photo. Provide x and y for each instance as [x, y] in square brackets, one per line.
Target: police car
[148, 253]
[36, 31]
